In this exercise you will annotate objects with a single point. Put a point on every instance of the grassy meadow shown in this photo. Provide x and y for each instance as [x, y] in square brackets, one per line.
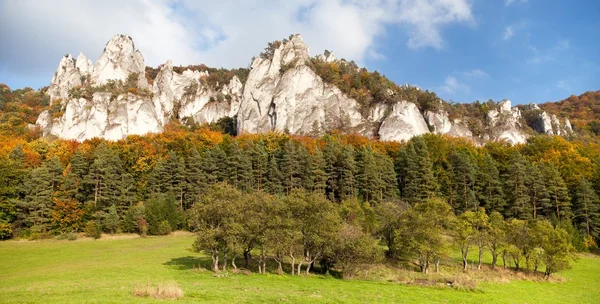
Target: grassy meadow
[108, 271]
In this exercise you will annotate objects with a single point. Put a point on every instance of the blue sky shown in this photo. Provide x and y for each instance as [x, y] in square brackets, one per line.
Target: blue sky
[464, 50]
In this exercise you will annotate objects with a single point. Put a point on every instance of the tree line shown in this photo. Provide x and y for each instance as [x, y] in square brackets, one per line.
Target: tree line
[333, 198]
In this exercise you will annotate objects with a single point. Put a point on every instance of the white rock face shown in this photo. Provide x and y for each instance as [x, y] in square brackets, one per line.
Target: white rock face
[567, 126]
[281, 93]
[115, 117]
[505, 124]
[441, 124]
[119, 59]
[69, 74]
[404, 123]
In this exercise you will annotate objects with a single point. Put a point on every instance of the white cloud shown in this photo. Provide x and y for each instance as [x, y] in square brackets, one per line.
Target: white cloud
[539, 57]
[476, 73]
[509, 2]
[453, 86]
[219, 33]
[511, 30]
[508, 32]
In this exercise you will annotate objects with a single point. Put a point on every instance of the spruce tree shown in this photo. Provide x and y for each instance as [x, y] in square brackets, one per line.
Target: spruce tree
[419, 182]
[103, 177]
[346, 167]
[489, 187]
[538, 193]
[516, 186]
[195, 178]
[317, 171]
[260, 163]
[587, 209]
[35, 208]
[240, 168]
[389, 185]
[290, 167]
[368, 175]
[274, 177]
[463, 172]
[559, 202]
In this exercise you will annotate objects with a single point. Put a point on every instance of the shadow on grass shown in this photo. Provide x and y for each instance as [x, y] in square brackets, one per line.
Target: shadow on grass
[190, 262]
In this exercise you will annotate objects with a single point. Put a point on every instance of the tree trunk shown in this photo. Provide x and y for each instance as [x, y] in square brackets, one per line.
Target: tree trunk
[299, 267]
[494, 259]
[233, 263]
[504, 258]
[279, 267]
[464, 252]
[426, 269]
[246, 257]
[293, 263]
[215, 258]
[437, 265]
[224, 267]
[480, 257]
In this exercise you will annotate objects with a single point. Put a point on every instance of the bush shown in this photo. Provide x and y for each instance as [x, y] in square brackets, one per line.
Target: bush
[93, 230]
[5, 231]
[70, 236]
[164, 228]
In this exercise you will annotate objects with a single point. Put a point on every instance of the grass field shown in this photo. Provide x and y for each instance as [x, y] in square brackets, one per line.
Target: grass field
[106, 270]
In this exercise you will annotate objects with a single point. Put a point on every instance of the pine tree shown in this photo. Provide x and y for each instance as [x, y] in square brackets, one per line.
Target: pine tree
[419, 182]
[317, 171]
[538, 193]
[489, 187]
[36, 207]
[330, 156]
[274, 177]
[462, 179]
[389, 185]
[56, 171]
[559, 203]
[260, 163]
[346, 171]
[368, 175]
[240, 168]
[195, 178]
[517, 192]
[587, 209]
[104, 175]
[290, 167]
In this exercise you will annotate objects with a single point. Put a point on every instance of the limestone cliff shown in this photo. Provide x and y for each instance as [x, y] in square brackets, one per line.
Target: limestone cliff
[114, 98]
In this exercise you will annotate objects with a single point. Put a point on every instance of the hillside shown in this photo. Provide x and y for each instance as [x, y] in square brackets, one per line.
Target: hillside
[584, 110]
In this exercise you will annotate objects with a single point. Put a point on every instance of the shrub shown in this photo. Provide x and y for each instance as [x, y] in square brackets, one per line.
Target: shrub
[70, 236]
[164, 228]
[143, 227]
[5, 231]
[93, 230]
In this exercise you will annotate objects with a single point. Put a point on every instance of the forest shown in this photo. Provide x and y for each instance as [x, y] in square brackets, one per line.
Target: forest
[334, 202]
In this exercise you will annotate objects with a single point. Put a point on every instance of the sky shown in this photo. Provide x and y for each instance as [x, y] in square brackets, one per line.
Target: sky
[464, 50]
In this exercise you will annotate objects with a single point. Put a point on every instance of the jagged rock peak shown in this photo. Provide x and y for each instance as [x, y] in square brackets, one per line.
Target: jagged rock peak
[505, 106]
[327, 56]
[119, 59]
[69, 74]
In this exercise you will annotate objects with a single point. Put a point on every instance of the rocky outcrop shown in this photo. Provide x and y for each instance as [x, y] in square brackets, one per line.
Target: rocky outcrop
[403, 123]
[115, 113]
[281, 93]
[69, 74]
[441, 124]
[505, 123]
[119, 59]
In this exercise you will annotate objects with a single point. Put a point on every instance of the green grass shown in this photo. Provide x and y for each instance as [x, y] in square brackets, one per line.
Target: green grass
[105, 271]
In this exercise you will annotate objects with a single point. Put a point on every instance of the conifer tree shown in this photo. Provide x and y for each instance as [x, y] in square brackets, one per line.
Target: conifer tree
[260, 163]
[368, 175]
[56, 171]
[240, 168]
[104, 175]
[516, 185]
[419, 182]
[317, 171]
[389, 184]
[587, 209]
[559, 202]
[488, 186]
[538, 193]
[463, 182]
[195, 178]
[290, 167]
[274, 177]
[36, 207]
[346, 171]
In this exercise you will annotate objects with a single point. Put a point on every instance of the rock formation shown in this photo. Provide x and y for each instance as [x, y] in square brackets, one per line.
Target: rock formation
[114, 98]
